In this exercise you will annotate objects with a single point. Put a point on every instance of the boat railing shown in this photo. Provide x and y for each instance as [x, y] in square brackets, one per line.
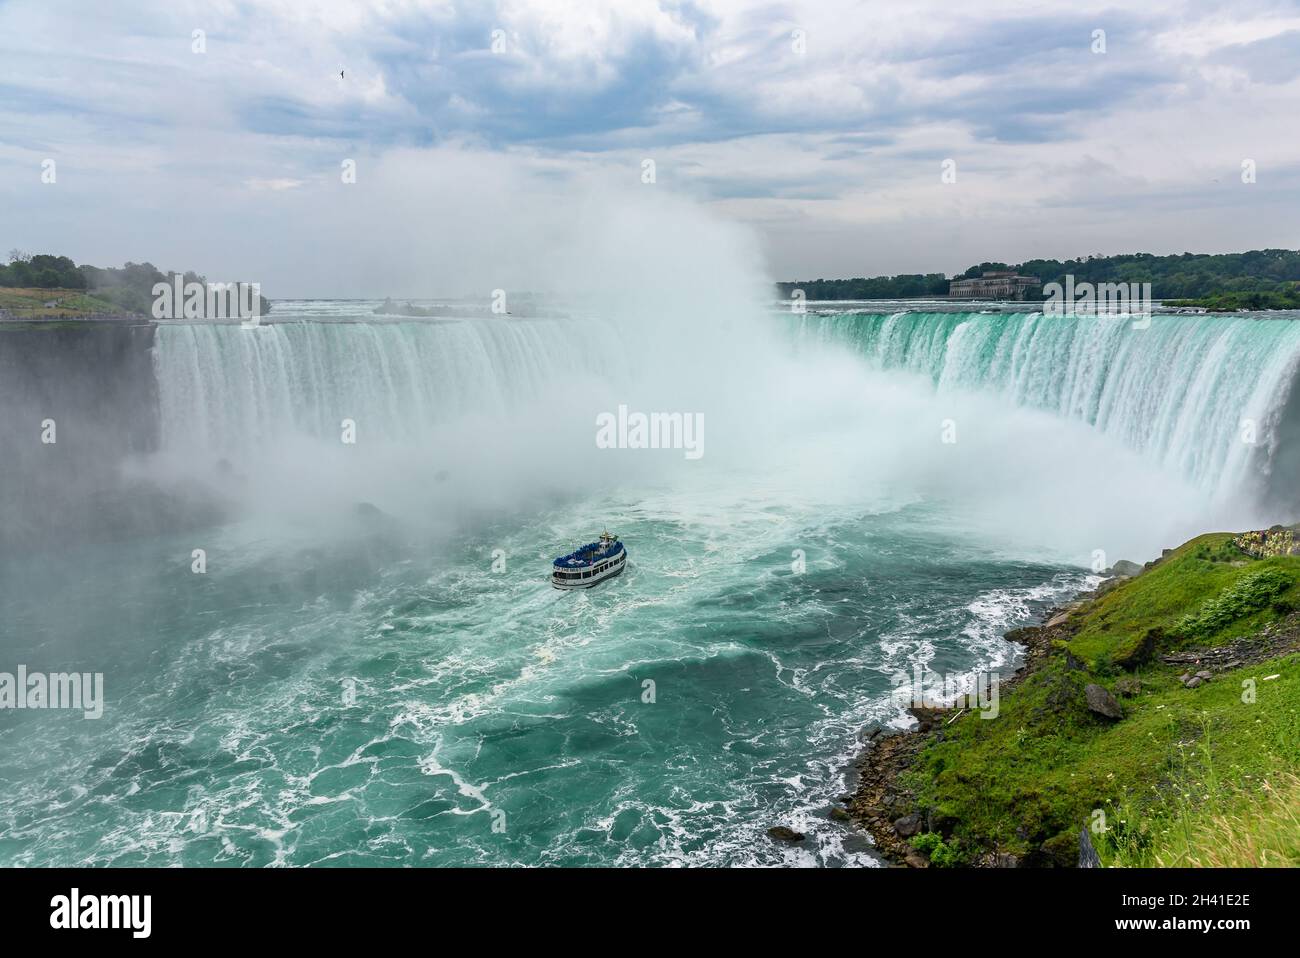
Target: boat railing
[588, 555]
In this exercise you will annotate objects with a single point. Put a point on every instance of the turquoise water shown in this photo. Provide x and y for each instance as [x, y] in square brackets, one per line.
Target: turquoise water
[397, 684]
[477, 690]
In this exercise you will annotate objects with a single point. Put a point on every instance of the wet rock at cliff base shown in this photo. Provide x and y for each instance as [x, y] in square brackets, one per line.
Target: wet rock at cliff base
[1108, 584]
[927, 717]
[1102, 702]
[782, 833]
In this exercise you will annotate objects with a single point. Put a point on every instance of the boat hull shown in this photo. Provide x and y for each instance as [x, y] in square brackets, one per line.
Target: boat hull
[596, 578]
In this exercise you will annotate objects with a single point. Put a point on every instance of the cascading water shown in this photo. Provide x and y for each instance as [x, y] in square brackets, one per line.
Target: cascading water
[224, 387]
[1204, 396]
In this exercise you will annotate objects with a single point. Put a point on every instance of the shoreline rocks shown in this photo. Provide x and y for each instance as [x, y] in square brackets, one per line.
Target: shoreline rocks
[887, 810]
[783, 833]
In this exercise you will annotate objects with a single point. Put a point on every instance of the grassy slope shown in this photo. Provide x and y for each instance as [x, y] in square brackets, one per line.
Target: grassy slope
[73, 303]
[1114, 626]
[1259, 828]
[1180, 760]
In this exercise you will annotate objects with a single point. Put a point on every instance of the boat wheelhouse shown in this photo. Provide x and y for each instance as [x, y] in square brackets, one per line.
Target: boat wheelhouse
[585, 566]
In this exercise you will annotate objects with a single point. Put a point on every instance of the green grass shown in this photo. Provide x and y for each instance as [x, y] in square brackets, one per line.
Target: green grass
[1253, 827]
[1026, 781]
[1253, 592]
[1214, 751]
[1178, 590]
[1175, 780]
[72, 303]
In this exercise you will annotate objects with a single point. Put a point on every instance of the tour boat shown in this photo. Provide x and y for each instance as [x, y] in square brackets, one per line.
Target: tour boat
[595, 562]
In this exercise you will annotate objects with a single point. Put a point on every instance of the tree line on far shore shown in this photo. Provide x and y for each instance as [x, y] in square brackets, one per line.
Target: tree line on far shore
[129, 288]
[1178, 276]
[41, 272]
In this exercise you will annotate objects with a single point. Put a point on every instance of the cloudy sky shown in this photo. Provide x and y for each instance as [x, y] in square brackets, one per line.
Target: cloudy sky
[822, 128]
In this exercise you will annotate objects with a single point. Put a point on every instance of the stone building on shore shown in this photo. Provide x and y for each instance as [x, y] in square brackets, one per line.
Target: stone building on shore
[998, 284]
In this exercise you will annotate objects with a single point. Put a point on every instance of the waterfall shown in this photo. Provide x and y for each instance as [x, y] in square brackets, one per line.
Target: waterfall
[1206, 396]
[222, 387]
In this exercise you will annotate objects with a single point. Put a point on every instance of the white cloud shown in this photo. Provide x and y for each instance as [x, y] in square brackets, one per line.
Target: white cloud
[274, 185]
[832, 155]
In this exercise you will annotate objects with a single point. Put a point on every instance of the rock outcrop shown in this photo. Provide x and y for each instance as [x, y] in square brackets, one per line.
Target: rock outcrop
[1102, 702]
